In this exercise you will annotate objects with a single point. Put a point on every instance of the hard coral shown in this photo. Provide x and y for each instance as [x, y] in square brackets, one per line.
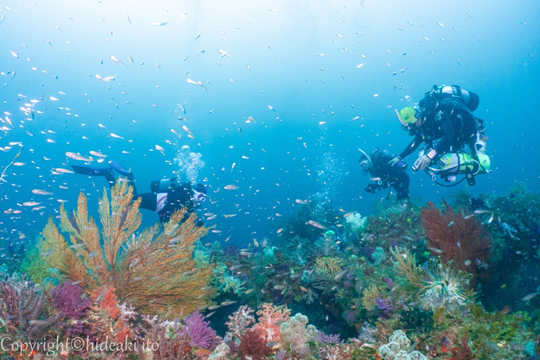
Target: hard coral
[456, 238]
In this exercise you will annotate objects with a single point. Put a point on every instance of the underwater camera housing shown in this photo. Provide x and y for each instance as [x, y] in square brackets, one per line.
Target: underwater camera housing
[164, 185]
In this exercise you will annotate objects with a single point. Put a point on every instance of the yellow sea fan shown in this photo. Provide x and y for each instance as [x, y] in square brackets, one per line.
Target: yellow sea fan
[369, 298]
[328, 266]
[154, 271]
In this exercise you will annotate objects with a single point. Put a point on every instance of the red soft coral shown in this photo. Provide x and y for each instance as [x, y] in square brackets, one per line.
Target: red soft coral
[253, 345]
[270, 319]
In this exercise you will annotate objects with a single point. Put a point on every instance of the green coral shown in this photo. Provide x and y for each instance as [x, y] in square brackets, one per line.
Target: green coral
[224, 282]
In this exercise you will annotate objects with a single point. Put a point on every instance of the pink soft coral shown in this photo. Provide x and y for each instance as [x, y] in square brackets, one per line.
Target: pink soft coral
[270, 319]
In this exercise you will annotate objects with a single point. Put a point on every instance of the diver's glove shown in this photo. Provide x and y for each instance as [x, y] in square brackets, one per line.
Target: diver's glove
[371, 188]
[421, 163]
[394, 161]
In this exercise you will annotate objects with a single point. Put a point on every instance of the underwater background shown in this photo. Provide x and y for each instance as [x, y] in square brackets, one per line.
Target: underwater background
[275, 98]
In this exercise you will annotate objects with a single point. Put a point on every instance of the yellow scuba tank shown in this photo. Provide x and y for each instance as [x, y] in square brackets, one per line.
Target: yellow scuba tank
[451, 164]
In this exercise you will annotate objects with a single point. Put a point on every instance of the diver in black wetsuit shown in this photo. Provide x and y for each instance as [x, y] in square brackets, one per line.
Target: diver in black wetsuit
[385, 175]
[444, 123]
[166, 196]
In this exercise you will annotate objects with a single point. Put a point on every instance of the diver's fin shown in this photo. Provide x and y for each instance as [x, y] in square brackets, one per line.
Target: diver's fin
[89, 170]
[120, 169]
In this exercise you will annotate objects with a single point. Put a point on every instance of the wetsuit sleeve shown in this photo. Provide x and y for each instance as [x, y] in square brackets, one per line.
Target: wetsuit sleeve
[411, 147]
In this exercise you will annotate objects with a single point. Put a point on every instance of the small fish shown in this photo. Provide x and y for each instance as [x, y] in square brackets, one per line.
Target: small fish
[340, 275]
[41, 192]
[77, 156]
[116, 136]
[224, 53]
[189, 81]
[279, 231]
[530, 296]
[481, 211]
[113, 58]
[435, 250]
[468, 217]
[155, 23]
[249, 291]
[301, 202]
[97, 153]
[231, 187]
[227, 303]
[212, 313]
[316, 224]
[30, 203]
[450, 223]
[101, 294]
[203, 352]
[76, 246]
[214, 307]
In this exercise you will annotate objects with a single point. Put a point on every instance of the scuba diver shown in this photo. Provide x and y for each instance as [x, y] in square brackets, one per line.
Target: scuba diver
[445, 124]
[384, 175]
[166, 196]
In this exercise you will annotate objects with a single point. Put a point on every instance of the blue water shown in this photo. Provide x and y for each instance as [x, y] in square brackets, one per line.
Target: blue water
[302, 59]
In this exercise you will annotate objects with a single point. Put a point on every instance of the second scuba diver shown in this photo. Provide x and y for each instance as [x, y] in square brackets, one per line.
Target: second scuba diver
[385, 175]
[166, 196]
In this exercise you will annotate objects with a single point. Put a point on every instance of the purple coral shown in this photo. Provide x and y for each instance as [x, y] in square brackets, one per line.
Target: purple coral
[326, 339]
[384, 304]
[67, 299]
[389, 283]
[200, 332]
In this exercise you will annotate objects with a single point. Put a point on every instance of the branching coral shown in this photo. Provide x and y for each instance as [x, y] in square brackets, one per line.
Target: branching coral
[154, 271]
[456, 238]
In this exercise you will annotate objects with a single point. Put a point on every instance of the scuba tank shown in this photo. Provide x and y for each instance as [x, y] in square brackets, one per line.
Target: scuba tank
[460, 163]
[164, 185]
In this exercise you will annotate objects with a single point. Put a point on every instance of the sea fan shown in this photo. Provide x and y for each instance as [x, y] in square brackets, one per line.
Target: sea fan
[154, 271]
